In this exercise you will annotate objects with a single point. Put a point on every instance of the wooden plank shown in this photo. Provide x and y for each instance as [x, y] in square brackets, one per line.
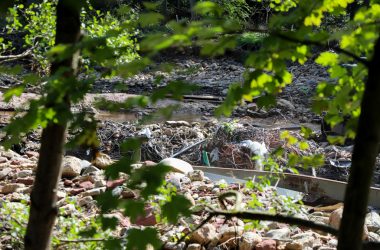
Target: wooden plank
[301, 183]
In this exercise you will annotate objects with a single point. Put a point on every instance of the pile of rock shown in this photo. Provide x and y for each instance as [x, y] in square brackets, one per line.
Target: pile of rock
[82, 182]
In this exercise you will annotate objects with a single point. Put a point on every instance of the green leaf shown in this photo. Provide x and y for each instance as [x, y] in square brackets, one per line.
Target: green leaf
[151, 177]
[150, 18]
[178, 205]
[327, 59]
[17, 91]
[134, 209]
[140, 239]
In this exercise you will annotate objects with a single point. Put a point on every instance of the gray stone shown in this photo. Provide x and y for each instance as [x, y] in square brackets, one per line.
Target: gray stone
[194, 246]
[196, 175]
[204, 235]
[278, 234]
[85, 201]
[226, 233]
[177, 123]
[177, 165]
[68, 209]
[89, 169]
[372, 221]
[4, 172]
[24, 173]
[285, 104]
[249, 240]
[94, 192]
[12, 187]
[71, 166]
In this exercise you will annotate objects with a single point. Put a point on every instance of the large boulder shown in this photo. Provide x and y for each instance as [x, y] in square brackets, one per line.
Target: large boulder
[177, 165]
[71, 167]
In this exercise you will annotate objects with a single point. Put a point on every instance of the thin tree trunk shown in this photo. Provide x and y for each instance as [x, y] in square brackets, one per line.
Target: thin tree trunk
[192, 4]
[43, 209]
[363, 160]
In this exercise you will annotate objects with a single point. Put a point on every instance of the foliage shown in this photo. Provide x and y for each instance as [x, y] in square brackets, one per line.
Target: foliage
[37, 23]
[14, 217]
[215, 34]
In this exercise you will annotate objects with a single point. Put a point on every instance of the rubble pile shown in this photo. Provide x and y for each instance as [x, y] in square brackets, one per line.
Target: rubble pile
[82, 182]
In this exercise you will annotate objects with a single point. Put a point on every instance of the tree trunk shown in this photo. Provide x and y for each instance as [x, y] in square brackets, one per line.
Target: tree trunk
[363, 160]
[43, 209]
[192, 4]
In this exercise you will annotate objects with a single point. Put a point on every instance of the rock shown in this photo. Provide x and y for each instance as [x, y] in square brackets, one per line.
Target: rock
[128, 194]
[301, 241]
[285, 104]
[319, 219]
[3, 159]
[332, 243]
[68, 209]
[85, 164]
[226, 233]
[102, 161]
[335, 218]
[100, 183]
[71, 167]
[279, 234]
[177, 123]
[196, 175]
[373, 237]
[249, 240]
[174, 246]
[372, 221]
[148, 220]
[27, 181]
[32, 154]
[18, 197]
[114, 183]
[24, 173]
[177, 165]
[11, 187]
[61, 195]
[266, 245]
[252, 106]
[86, 185]
[90, 169]
[188, 196]
[204, 235]
[116, 192]
[85, 201]
[68, 183]
[194, 246]
[9, 154]
[94, 192]
[294, 246]
[76, 191]
[4, 172]
[174, 180]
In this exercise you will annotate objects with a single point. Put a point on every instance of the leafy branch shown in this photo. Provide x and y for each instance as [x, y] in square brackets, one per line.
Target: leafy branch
[322, 45]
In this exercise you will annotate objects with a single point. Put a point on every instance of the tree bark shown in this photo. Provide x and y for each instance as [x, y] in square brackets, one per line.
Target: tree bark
[43, 209]
[363, 160]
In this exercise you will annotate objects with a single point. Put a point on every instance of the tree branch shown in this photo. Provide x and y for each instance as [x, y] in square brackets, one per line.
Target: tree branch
[321, 45]
[275, 217]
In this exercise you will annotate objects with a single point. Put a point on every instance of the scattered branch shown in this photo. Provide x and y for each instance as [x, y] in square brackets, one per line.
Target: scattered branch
[16, 57]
